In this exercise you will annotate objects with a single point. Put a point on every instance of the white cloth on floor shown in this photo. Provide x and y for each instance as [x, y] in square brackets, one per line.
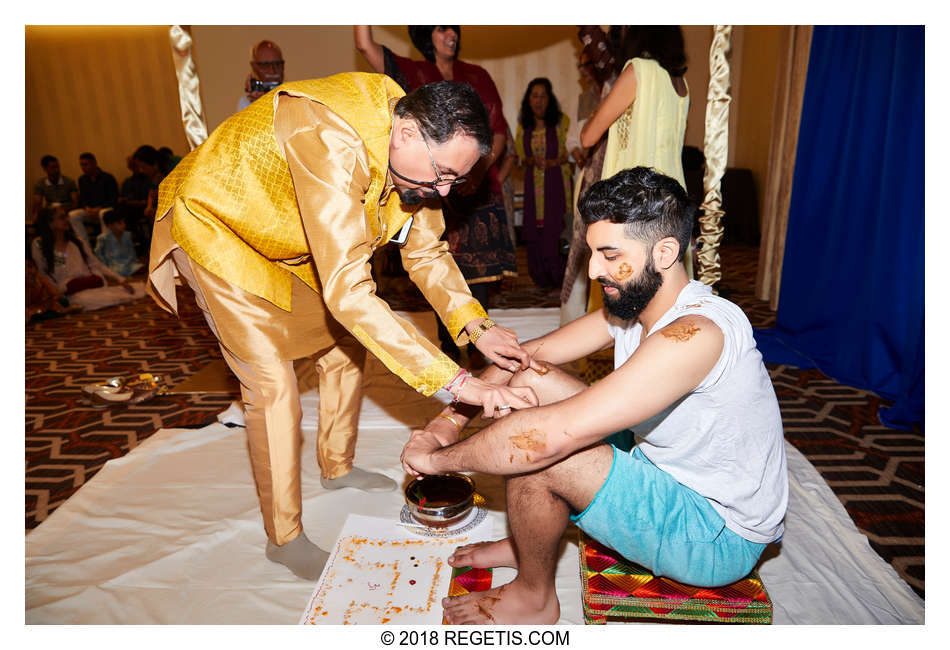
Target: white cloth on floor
[101, 297]
[171, 533]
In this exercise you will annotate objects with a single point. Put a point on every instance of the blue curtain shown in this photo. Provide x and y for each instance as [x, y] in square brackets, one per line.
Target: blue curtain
[852, 294]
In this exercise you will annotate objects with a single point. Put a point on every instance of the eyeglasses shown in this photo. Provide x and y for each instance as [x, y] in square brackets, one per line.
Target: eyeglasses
[439, 181]
[269, 64]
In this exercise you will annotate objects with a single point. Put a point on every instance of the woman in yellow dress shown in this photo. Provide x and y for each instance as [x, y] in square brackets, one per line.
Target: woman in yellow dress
[645, 111]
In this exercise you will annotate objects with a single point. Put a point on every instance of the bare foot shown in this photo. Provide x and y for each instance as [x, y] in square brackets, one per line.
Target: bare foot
[510, 604]
[485, 554]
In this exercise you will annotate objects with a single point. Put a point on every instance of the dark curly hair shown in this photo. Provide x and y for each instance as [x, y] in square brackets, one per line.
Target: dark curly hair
[662, 43]
[551, 116]
[421, 37]
[650, 206]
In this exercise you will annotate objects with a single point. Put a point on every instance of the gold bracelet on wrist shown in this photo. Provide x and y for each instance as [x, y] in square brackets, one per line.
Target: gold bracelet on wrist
[452, 420]
[483, 327]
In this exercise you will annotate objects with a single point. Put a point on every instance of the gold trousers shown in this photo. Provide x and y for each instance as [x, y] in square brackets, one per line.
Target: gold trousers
[269, 387]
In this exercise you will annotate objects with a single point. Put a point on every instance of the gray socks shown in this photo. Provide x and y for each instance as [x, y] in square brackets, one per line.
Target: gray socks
[300, 555]
[361, 480]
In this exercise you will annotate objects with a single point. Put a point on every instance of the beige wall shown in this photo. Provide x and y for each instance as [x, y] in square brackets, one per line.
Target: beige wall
[512, 55]
[222, 54]
[698, 38]
[101, 89]
[110, 89]
[751, 128]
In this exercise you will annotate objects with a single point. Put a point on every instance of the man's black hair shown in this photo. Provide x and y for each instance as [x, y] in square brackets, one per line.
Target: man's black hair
[47, 159]
[446, 108]
[651, 206]
[87, 156]
[147, 154]
[421, 37]
[111, 217]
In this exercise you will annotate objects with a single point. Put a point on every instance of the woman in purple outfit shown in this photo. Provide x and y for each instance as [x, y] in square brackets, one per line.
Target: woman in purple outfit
[542, 151]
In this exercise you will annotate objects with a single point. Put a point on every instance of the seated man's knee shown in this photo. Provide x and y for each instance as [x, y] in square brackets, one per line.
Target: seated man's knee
[551, 385]
[527, 378]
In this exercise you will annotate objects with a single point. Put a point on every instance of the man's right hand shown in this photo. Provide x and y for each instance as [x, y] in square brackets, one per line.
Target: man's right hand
[492, 397]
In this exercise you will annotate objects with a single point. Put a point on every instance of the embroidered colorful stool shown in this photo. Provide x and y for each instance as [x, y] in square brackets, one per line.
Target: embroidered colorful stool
[614, 588]
[466, 580]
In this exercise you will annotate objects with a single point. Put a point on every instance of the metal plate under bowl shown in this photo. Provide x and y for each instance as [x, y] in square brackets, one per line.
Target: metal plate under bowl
[473, 519]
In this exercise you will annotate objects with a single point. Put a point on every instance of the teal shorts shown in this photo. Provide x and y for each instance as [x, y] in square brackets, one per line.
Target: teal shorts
[645, 515]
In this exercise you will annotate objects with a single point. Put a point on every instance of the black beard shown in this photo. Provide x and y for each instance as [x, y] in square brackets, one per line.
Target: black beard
[635, 296]
[414, 196]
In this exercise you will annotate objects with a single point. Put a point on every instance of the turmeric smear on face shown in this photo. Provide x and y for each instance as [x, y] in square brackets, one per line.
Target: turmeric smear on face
[623, 272]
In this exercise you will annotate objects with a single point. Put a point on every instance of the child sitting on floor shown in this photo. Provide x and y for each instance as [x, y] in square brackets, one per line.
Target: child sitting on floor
[115, 248]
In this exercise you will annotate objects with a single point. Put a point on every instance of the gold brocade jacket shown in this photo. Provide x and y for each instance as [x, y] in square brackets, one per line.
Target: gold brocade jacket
[297, 184]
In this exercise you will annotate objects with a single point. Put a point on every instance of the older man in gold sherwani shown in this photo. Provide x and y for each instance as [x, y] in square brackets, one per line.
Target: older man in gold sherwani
[273, 221]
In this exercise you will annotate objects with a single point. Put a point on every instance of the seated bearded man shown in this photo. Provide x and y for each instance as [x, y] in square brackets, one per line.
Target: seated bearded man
[705, 487]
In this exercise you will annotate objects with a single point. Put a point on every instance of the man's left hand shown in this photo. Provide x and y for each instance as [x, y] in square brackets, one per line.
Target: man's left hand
[417, 454]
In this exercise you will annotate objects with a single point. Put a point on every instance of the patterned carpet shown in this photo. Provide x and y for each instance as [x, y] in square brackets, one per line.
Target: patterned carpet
[878, 473]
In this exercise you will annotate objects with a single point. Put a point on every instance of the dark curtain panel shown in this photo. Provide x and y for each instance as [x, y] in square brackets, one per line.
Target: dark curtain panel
[852, 292]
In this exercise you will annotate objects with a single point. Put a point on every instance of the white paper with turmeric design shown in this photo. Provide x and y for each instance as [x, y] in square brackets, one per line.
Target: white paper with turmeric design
[382, 573]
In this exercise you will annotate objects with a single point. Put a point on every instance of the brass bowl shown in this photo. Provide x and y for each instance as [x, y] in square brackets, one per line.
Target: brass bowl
[448, 499]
